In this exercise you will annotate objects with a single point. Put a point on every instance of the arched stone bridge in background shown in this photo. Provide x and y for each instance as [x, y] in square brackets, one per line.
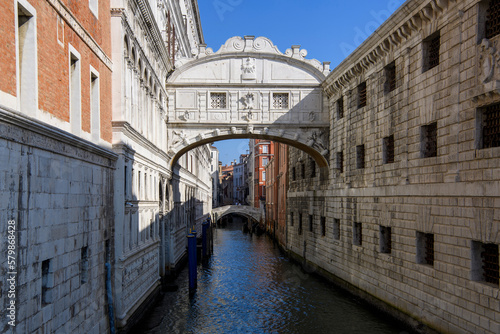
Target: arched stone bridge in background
[243, 210]
[249, 89]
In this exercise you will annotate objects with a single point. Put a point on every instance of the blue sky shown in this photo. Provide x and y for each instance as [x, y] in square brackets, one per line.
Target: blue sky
[328, 29]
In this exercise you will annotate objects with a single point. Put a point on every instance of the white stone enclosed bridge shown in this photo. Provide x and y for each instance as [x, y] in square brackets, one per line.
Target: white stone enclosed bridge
[248, 89]
[242, 210]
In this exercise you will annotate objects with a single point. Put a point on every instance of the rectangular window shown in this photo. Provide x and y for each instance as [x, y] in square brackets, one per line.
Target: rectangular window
[340, 161]
[431, 48]
[388, 150]
[323, 226]
[263, 176]
[94, 7]
[390, 77]
[95, 105]
[340, 108]
[485, 263]
[357, 230]
[84, 265]
[360, 156]
[313, 167]
[336, 229]
[428, 140]
[264, 162]
[291, 218]
[385, 240]
[303, 170]
[47, 282]
[362, 95]
[294, 176]
[489, 126]
[300, 223]
[280, 101]
[493, 19]
[311, 220]
[425, 248]
[265, 149]
[26, 62]
[218, 100]
[75, 92]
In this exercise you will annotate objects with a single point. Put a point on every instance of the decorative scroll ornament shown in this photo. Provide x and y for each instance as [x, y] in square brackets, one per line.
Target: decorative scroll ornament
[248, 69]
[184, 116]
[312, 116]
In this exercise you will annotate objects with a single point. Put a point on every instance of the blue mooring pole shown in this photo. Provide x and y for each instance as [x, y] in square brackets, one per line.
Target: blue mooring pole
[204, 237]
[192, 261]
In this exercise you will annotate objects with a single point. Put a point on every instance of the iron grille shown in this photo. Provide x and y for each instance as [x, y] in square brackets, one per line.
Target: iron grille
[430, 140]
[313, 167]
[323, 226]
[490, 263]
[291, 218]
[362, 95]
[429, 248]
[357, 237]
[433, 55]
[389, 149]
[294, 176]
[310, 223]
[340, 106]
[340, 161]
[300, 223]
[385, 235]
[218, 100]
[280, 100]
[391, 77]
[336, 229]
[303, 170]
[493, 19]
[360, 156]
[491, 126]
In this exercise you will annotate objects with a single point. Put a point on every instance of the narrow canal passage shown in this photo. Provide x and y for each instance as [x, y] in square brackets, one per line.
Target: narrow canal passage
[249, 286]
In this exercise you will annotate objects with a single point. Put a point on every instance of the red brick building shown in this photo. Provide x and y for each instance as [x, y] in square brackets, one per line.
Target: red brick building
[263, 151]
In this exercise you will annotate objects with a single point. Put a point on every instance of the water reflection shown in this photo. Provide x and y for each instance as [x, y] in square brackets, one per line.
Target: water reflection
[250, 287]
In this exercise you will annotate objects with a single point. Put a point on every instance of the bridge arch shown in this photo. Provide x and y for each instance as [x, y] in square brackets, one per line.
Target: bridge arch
[242, 210]
[249, 89]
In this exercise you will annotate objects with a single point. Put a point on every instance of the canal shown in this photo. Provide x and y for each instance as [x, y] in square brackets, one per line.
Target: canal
[249, 286]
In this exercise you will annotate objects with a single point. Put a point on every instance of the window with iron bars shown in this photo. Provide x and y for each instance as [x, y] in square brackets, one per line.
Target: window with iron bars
[340, 107]
[362, 95]
[428, 140]
[357, 238]
[336, 229]
[388, 150]
[323, 226]
[280, 100]
[360, 156]
[218, 100]
[311, 223]
[485, 263]
[385, 240]
[291, 218]
[491, 126]
[425, 248]
[432, 45]
[493, 19]
[390, 76]
[313, 167]
[340, 161]
[300, 223]
[489, 255]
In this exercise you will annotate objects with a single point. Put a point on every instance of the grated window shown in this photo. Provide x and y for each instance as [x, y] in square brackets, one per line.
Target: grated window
[300, 223]
[490, 263]
[310, 223]
[385, 240]
[280, 100]
[429, 140]
[336, 229]
[340, 161]
[323, 226]
[491, 126]
[357, 234]
[218, 100]
[429, 248]
[493, 19]
[313, 167]
[389, 149]
[390, 73]
[340, 108]
[360, 156]
[362, 95]
[431, 51]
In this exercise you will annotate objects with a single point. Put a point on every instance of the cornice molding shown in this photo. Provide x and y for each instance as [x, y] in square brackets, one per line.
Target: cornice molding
[404, 23]
[74, 24]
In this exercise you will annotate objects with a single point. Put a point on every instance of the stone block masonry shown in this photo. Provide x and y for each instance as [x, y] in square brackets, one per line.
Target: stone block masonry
[59, 192]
